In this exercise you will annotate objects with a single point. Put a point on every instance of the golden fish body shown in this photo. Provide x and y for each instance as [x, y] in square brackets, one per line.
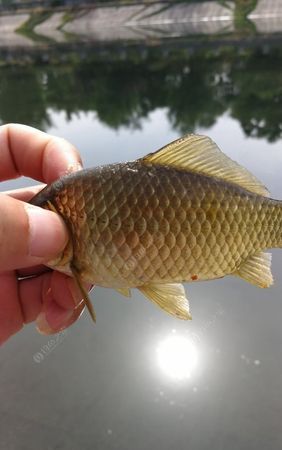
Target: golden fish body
[157, 222]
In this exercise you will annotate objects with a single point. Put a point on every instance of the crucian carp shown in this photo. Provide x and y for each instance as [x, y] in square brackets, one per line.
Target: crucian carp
[182, 214]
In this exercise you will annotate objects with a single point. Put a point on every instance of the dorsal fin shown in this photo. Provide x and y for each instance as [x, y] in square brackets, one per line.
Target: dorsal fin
[200, 154]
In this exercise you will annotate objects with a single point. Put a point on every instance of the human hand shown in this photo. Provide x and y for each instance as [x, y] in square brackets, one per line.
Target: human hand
[31, 236]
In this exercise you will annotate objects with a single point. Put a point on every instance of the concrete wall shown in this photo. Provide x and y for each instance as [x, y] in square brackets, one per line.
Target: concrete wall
[267, 16]
[8, 27]
[141, 21]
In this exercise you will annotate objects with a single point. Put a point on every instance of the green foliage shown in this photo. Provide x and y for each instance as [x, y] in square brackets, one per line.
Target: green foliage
[6, 2]
[258, 103]
[22, 98]
[27, 28]
[242, 10]
[123, 88]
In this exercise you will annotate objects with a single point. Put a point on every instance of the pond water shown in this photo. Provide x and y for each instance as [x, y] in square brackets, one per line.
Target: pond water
[140, 379]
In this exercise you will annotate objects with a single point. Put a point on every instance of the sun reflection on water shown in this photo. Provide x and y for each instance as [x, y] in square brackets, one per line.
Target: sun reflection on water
[177, 357]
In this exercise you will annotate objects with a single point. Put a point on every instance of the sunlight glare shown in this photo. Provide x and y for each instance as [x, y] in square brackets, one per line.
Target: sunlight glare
[177, 357]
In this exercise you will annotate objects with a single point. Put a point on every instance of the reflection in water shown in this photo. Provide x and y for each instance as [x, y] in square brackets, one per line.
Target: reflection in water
[106, 399]
[177, 357]
[196, 88]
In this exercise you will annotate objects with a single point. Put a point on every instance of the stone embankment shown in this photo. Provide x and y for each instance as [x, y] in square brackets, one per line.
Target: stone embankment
[137, 22]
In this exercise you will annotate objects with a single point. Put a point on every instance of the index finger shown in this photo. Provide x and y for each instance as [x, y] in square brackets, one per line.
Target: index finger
[24, 194]
[27, 151]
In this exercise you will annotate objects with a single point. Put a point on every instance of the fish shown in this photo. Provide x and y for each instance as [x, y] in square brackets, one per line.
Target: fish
[184, 213]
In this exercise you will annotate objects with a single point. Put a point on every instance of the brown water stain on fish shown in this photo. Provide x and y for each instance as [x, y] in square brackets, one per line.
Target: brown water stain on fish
[184, 213]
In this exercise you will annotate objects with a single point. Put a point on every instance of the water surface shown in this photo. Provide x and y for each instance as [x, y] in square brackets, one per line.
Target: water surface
[140, 379]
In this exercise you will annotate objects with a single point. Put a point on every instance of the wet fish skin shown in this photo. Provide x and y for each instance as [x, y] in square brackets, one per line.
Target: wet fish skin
[144, 223]
[133, 223]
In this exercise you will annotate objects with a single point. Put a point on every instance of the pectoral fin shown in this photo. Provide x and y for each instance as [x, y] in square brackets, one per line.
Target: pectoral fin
[124, 291]
[170, 297]
[84, 294]
[257, 270]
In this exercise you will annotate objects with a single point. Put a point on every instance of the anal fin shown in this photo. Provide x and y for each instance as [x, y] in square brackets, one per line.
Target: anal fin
[257, 270]
[170, 297]
[124, 291]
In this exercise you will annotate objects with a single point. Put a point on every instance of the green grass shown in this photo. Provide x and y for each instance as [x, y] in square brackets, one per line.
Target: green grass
[27, 28]
[242, 10]
[67, 17]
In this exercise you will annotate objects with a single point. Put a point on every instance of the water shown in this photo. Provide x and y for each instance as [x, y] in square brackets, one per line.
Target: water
[140, 379]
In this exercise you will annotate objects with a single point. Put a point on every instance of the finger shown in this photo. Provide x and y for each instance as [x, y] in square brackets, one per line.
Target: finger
[25, 194]
[59, 318]
[52, 299]
[51, 295]
[51, 156]
[11, 317]
[29, 235]
[32, 271]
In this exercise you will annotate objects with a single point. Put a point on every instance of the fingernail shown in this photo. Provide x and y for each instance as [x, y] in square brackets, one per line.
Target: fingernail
[42, 325]
[54, 320]
[73, 167]
[47, 232]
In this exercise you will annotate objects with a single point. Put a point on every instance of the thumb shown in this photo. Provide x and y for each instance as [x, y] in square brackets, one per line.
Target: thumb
[28, 235]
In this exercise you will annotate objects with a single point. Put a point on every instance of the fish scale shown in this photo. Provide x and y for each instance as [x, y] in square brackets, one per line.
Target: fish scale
[145, 223]
[205, 242]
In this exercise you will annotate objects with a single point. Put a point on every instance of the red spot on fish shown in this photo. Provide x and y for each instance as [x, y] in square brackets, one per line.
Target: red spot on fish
[194, 277]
